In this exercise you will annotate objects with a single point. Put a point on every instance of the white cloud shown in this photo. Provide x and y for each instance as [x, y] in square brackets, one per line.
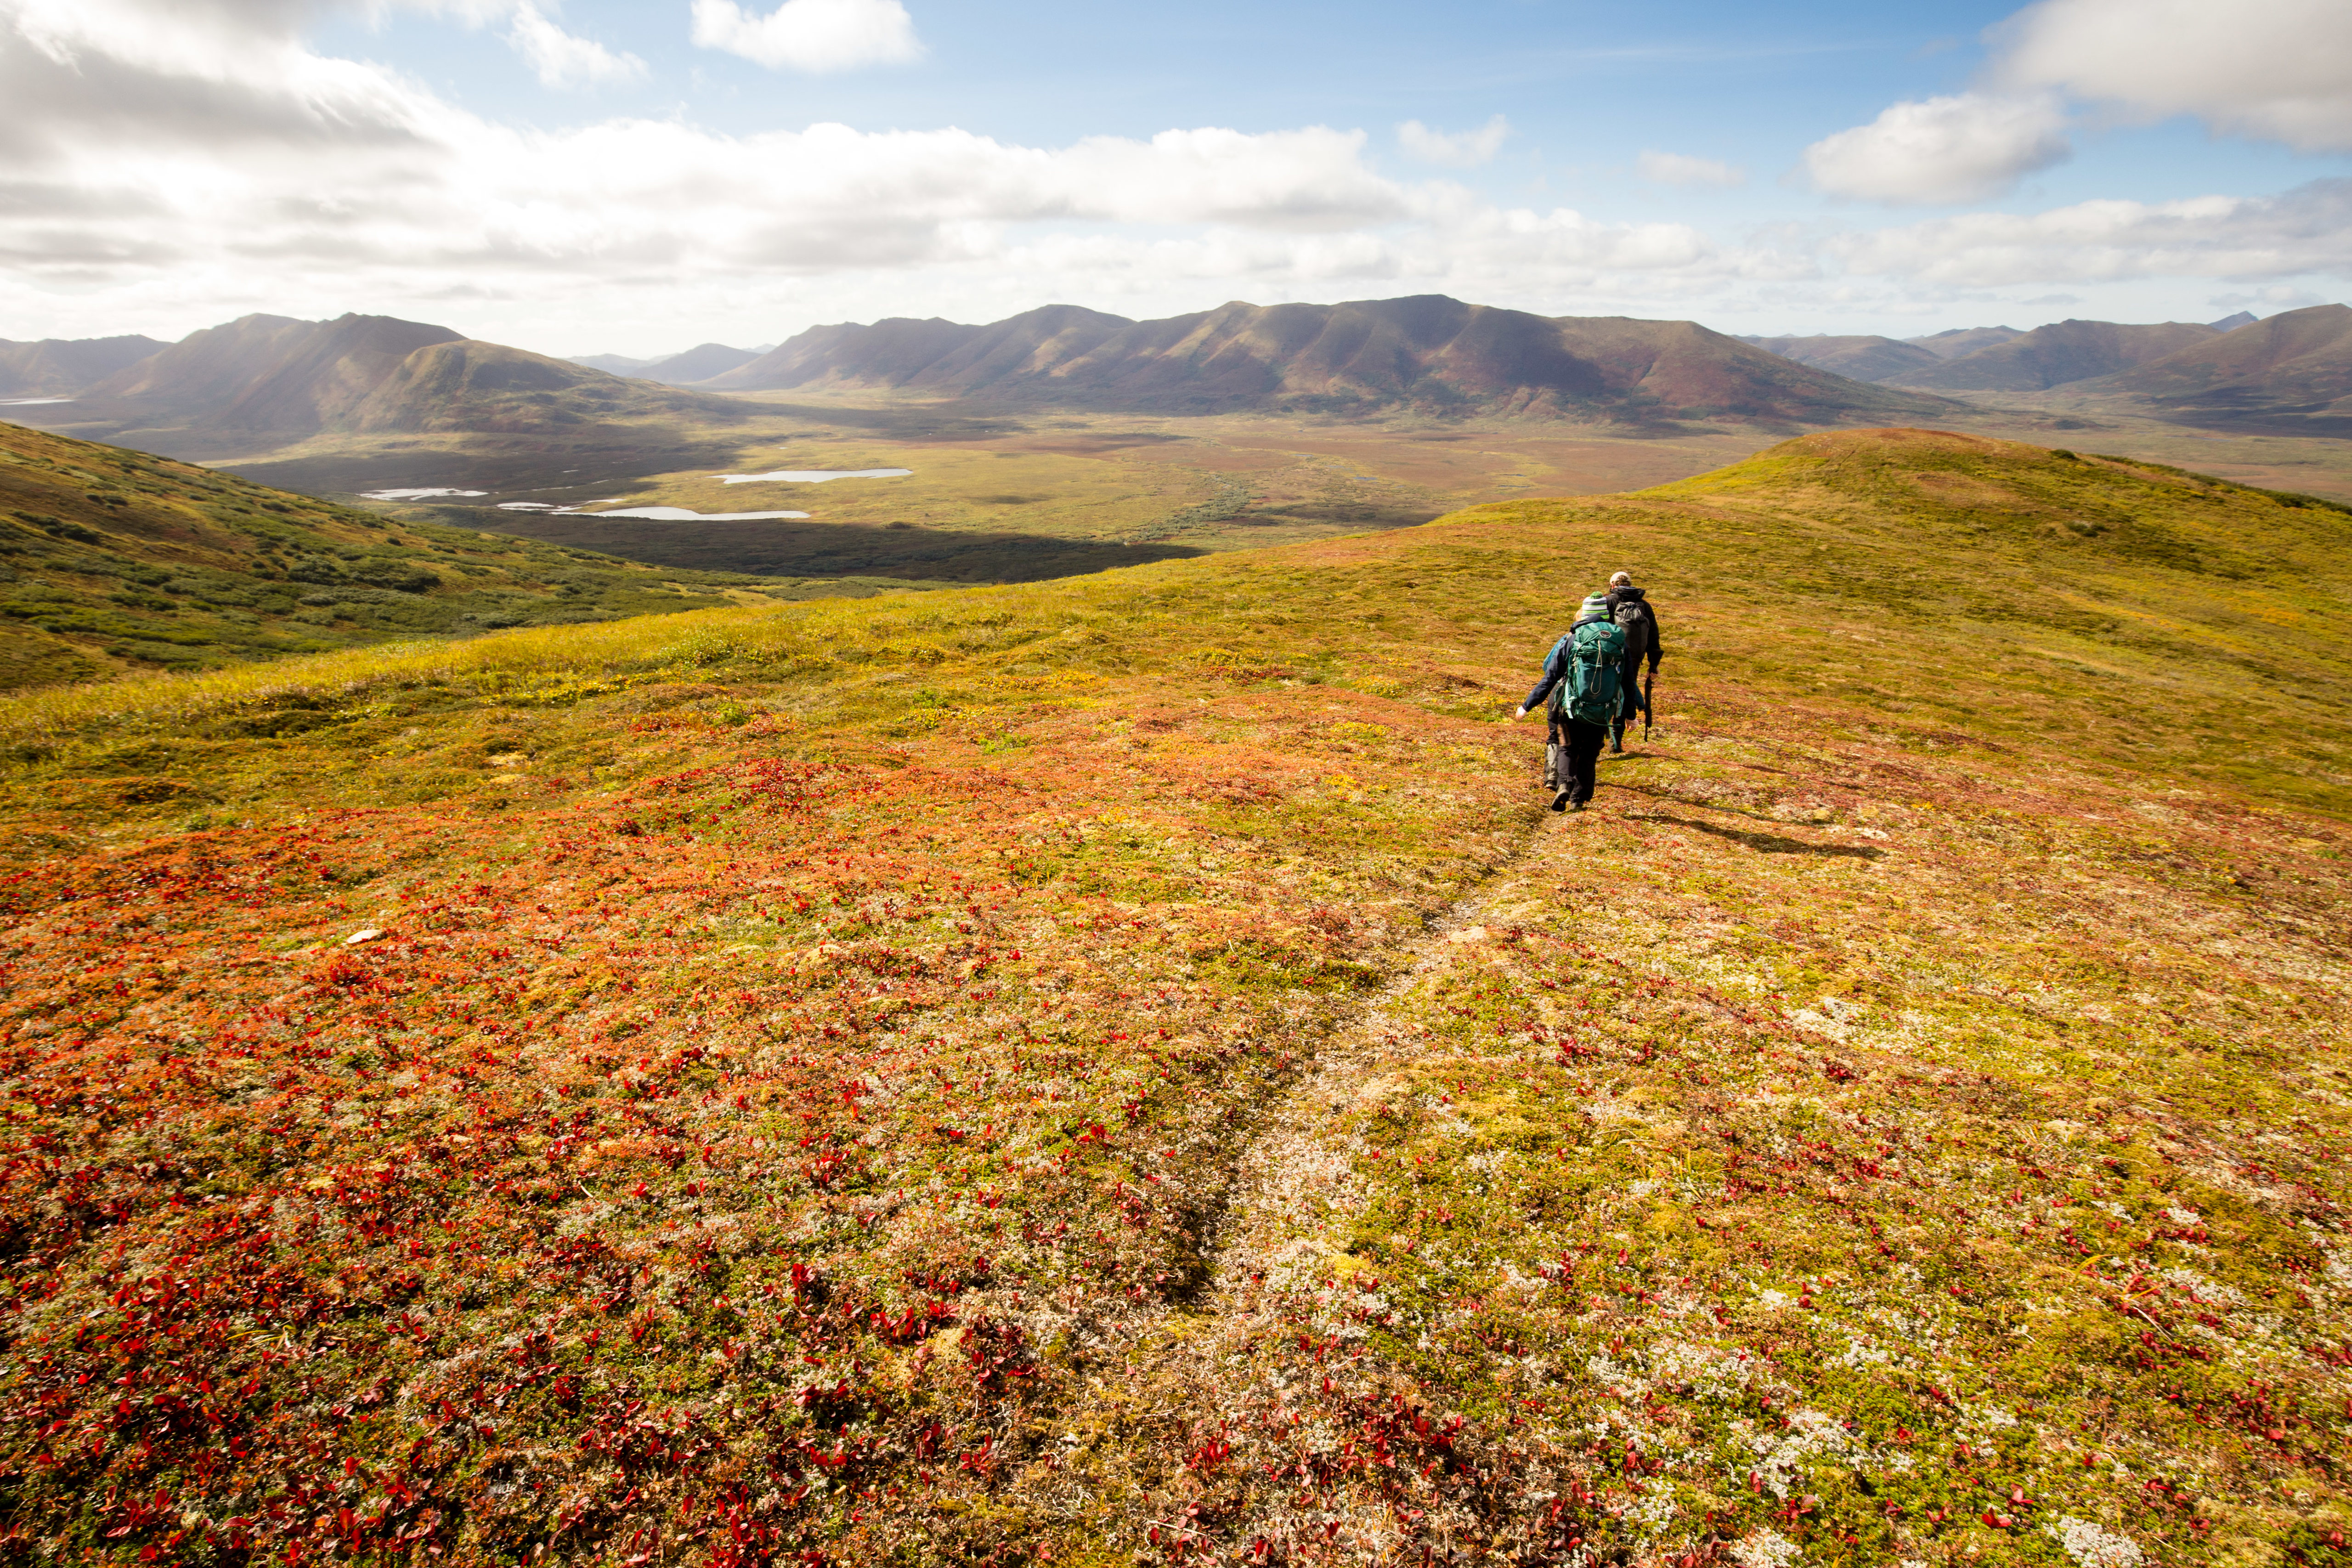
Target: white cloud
[165, 165]
[1453, 150]
[2268, 301]
[562, 60]
[185, 84]
[2280, 69]
[2304, 232]
[265, 155]
[1676, 169]
[811, 35]
[1960, 149]
[558, 57]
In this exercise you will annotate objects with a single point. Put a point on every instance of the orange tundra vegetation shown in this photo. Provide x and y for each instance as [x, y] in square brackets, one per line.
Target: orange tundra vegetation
[1126, 1070]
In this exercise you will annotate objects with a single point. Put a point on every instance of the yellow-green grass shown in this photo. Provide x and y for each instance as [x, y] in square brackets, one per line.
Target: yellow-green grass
[807, 1077]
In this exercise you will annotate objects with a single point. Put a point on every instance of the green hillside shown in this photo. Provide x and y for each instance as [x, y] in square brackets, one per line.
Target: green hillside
[1126, 1070]
[114, 561]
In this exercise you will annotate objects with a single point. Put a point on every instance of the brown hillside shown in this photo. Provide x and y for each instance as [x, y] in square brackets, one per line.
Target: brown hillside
[493, 389]
[1430, 352]
[2058, 353]
[931, 355]
[1959, 341]
[272, 373]
[364, 373]
[1860, 357]
[61, 366]
[2294, 366]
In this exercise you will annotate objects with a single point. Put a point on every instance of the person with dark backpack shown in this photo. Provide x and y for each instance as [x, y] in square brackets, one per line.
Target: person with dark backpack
[1580, 677]
[1630, 608]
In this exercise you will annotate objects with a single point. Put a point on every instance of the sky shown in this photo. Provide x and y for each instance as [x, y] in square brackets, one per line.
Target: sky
[637, 177]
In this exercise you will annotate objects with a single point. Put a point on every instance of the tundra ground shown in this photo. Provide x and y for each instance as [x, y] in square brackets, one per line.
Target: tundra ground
[1127, 1069]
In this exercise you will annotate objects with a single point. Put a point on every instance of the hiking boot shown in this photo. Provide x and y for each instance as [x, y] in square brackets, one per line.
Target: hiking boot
[1560, 802]
[1616, 747]
[1572, 805]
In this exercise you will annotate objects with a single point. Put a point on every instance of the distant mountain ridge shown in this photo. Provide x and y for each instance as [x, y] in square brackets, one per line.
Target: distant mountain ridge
[55, 367]
[361, 373]
[275, 373]
[932, 354]
[1428, 352]
[2056, 354]
[1858, 358]
[698, 364]
[466, 385]
[1955, 342]
[1998, 359]
[2290, 372]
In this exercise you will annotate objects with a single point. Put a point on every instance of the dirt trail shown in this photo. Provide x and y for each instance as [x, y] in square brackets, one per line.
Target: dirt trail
[1232, 1357]
[1295, 1178]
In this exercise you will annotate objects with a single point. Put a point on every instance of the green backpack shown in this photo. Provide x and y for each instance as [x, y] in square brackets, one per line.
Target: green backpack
[1596, 659]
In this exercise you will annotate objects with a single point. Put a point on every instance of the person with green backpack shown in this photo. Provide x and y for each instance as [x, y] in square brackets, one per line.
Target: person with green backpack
[1583, 678]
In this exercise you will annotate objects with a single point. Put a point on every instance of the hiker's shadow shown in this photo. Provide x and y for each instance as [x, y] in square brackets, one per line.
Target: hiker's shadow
[1764, 843]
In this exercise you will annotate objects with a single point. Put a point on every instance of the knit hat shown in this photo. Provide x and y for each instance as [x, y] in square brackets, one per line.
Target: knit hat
[1621, 580]
[1596, 607]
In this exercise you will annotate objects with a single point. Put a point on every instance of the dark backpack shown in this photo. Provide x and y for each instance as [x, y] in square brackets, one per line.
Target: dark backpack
[1633, 620]
[1596, 659]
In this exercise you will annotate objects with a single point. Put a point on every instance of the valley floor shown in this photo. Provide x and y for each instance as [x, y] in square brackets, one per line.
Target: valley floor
[999, 494]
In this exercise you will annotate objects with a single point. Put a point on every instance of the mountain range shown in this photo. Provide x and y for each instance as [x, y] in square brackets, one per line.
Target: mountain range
[2056, 354]
[284, 377]
[2292, 374]
[62, 366]
[2288, 375]
[1999, 359]
[697, 364]
[278, 377]
[1862, 357]
[1428, 353]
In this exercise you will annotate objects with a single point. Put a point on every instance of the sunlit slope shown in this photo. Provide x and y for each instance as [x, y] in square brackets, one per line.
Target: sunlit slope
[2080, 605]
[939, 1079]
[114, 561]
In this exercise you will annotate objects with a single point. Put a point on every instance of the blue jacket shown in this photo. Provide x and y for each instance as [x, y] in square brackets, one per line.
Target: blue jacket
[1555, 669]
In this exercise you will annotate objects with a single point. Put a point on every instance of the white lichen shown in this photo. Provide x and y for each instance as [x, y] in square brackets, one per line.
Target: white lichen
[2091, 1546]
[1765, 1548]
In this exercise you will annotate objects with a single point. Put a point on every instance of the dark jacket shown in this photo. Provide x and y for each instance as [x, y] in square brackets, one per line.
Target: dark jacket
[1555, 669]
[1633, 656]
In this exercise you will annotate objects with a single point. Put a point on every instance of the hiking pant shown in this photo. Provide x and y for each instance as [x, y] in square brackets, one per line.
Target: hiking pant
[1629, 705]
[1574, 754]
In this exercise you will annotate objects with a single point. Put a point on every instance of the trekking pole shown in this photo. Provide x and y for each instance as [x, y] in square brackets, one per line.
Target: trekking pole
[1647, 677]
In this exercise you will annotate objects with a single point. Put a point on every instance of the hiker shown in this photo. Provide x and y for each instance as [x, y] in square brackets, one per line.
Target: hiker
[1629, 607]
[1580, 677]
